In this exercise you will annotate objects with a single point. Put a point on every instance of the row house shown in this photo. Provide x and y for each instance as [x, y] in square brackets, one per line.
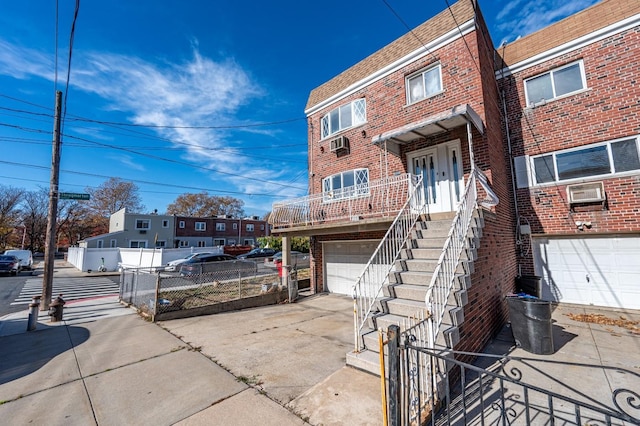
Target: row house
[441, 168]
[138, 230]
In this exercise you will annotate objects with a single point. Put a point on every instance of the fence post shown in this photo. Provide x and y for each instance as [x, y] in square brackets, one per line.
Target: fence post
[155, 303]
[393, 334]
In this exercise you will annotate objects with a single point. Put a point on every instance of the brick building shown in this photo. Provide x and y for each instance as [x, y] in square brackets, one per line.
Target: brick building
[218, 231]
[525, 156]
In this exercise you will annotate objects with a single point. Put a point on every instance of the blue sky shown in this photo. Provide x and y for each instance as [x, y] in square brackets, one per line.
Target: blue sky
[191, 96]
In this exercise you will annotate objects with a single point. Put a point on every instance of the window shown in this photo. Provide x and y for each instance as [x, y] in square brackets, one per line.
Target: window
[262, 227]
[220, 226]
[161, 243]
[113, 243]
[424, 84]
[202, 243]
[350, 184]
[184, 243]
[143, 223]
[165, 223]
[100, 243]
[343, 117]
[218, 241]
[555, 83]
[592, 160]
[248, 242]
[231, 242]
[181, 224]
[137, 244]
[249, 227]
[201, 226]
[235, 225]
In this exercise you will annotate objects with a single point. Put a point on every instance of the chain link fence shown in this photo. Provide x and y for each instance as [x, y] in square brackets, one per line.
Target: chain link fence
[206, 285]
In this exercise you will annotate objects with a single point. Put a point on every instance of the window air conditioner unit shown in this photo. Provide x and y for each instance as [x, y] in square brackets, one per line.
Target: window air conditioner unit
[143, 231]
[338, 143]
[586, 193]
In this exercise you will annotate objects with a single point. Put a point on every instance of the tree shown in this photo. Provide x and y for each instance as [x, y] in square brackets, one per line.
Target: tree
[9, 212]
[113, 195]
[205, 205]
[35, 209]
[300, 244]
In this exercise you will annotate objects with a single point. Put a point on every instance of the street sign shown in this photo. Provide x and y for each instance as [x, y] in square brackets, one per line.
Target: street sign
[73, 196]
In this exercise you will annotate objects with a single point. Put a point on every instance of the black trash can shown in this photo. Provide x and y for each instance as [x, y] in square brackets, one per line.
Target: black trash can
[529, 284]
[531, 324]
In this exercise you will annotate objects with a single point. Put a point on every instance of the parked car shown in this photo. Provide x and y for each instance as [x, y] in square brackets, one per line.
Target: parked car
[216, 263]
[175, 264]
[298, 259]
[258, 252]
[9, 264]
[25, 257]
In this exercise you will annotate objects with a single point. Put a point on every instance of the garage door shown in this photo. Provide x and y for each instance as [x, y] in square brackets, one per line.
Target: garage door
[344, 262]
[590, 271]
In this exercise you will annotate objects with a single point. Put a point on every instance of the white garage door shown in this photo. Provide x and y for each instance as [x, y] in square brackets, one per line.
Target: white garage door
[344, 262]
[590, 271]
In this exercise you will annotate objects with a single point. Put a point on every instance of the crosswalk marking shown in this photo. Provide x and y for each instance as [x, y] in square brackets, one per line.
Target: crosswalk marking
[71, 288]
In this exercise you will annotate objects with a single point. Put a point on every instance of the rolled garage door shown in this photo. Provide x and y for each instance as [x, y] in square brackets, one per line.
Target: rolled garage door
[600, 271]
[344, 262]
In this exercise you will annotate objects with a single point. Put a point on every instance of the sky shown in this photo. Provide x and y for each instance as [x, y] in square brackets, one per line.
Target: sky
[199, 95]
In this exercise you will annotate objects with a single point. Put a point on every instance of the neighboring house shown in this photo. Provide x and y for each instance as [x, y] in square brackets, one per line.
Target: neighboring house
[135, 230]
[218, 231]
[421, 125]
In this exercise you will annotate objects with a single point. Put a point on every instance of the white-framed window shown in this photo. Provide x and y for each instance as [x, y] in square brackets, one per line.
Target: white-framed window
[262, 227]
[235, 225]
[181, 224]
[349, 184]
[231, 242]
[220, 227]
[345, 116]
[424, 84]
[249, 227]
[100, 243]
[138, 244]
[161, 243]
[202, 243]
[248, 241]
[165, 223]
[602, 159]
[218, 241]
[113, 243]
[143, 224]
[201, 226]
[184, 243]
[559, 82]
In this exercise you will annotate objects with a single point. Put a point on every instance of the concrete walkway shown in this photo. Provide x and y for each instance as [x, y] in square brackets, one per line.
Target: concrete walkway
[274, 365]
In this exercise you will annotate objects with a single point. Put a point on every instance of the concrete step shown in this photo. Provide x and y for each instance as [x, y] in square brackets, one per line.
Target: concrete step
[404, 307]
[411, 277]
[434, 224]
[428, 242]
[406, 291]
[421, 253]
[418, 265]
[365, 360]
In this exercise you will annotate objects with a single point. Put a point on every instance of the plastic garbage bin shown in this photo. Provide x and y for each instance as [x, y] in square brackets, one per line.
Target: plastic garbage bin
[531, 324]
[530, 284]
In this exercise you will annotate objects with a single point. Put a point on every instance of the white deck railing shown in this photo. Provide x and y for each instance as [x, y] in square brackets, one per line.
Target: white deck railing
[377, 198]
[369, 285]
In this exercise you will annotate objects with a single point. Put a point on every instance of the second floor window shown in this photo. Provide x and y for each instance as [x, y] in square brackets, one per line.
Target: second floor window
[143, 223]
[343, 117]
[201, 226]
[424, 84]
[555, 83]
[349, 184]
[220, 226]
[181, 224]
[235, 226]
[165, 223]
[249, 227]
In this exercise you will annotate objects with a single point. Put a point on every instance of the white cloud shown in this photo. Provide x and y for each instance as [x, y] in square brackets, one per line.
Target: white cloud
[523, 17]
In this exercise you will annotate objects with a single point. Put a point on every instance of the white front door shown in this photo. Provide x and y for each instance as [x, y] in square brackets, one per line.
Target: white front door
[441, 170]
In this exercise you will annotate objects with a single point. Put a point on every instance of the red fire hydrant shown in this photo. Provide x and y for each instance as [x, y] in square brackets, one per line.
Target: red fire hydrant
[56, 309]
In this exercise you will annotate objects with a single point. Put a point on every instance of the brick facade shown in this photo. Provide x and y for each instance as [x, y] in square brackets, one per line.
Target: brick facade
[212, 233]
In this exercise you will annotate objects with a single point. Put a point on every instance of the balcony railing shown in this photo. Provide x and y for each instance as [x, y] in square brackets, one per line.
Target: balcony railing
[379, 198]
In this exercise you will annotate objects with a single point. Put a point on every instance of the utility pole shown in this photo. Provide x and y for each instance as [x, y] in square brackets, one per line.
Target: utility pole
[50, 251]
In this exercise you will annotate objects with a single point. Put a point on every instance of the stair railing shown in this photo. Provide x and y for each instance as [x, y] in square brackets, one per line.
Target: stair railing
[369, 285]
[445, 272]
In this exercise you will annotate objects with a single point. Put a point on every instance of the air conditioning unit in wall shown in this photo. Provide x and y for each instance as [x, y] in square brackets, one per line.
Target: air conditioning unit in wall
[586, 193]
[339, 143]
[143, 231]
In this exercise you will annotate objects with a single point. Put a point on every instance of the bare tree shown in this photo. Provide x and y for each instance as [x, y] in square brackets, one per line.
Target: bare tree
[34, 217]
[113, 195]
[205, 205]
[9, 212]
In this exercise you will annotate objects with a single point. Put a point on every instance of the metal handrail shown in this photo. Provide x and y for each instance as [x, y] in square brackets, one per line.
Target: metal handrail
[376, 273]
[445, 274]
[376, 198]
